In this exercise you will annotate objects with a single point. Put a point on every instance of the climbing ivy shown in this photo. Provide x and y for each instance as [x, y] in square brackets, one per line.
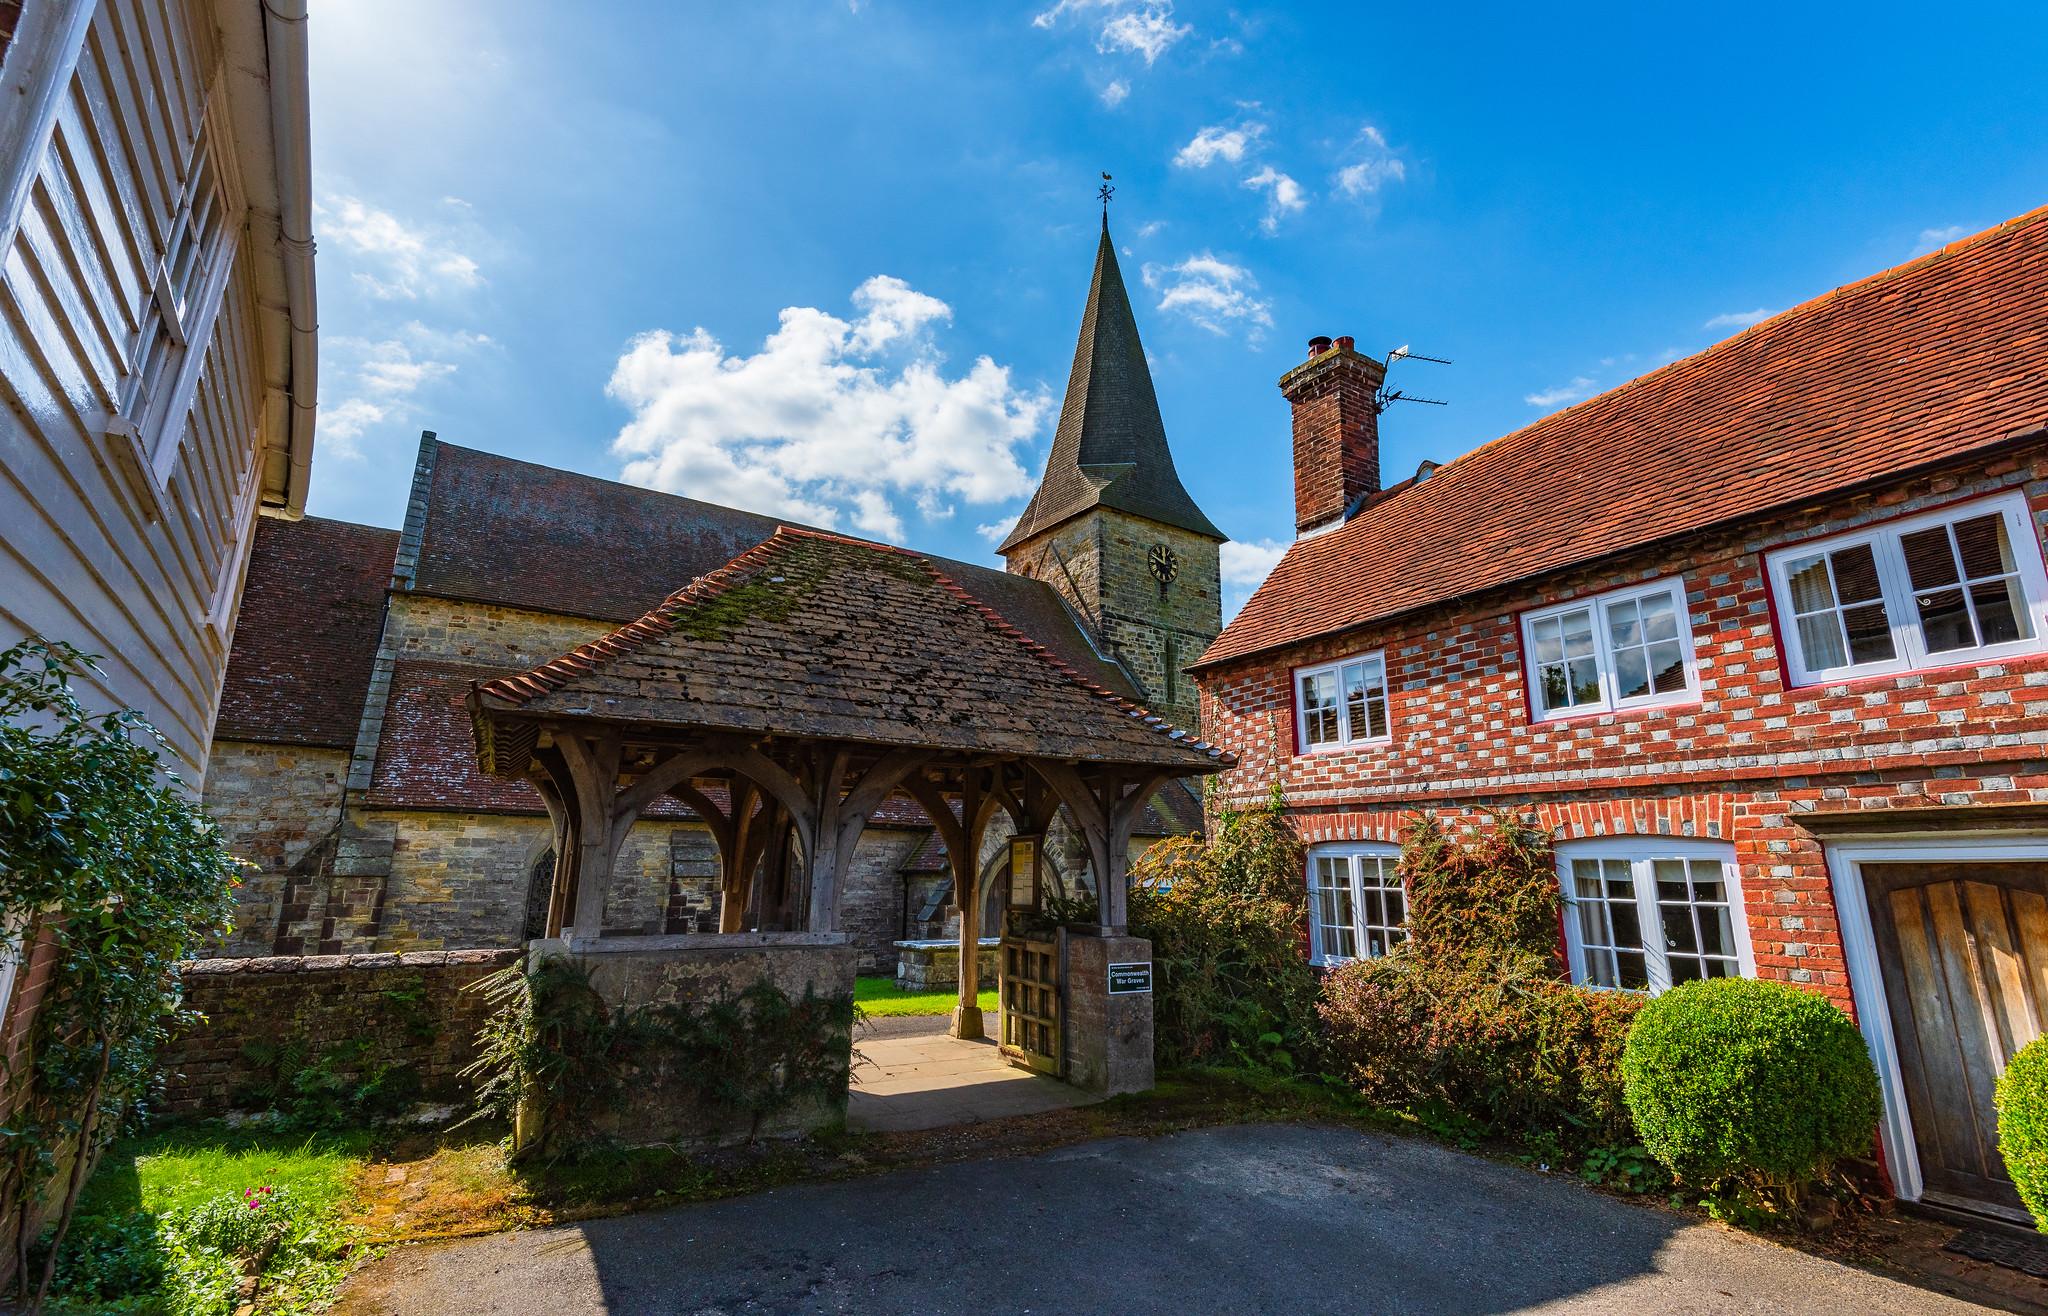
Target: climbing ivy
[556, 1050]
[109, 869]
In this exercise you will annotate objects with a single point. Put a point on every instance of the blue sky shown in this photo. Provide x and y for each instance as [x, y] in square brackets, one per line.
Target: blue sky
[827, 260]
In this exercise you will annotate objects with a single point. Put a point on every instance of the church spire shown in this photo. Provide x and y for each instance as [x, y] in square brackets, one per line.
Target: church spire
[1110, 448]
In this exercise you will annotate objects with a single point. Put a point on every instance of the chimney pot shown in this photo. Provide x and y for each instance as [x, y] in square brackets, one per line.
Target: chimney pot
[1344, 343]
[1318, 345]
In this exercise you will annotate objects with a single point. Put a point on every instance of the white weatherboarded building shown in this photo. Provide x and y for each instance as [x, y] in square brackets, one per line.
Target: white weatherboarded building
[157, 332]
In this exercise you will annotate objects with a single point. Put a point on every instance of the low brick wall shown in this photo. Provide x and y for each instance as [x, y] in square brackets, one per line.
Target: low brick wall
[361, 1011]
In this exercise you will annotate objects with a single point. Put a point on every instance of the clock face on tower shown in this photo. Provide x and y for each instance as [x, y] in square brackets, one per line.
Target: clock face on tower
[1164, 563]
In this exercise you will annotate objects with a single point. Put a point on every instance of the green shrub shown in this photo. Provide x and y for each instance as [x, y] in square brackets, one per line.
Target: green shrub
[1469, 1023]
[1501, 1047]
[2022, 1097]
[1231, 984]
[1734, 1082]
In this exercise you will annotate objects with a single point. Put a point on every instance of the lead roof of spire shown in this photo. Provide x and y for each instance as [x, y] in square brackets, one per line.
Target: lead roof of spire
[1110, 449]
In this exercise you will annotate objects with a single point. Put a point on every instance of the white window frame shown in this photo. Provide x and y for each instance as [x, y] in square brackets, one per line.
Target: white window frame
[1640, 852]
[1335, 670]
[1909, 646]
[146, 432]
[1354, 853]
[1603, 651]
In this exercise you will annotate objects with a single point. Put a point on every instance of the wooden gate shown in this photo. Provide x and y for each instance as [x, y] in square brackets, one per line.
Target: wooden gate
[1031, 1004]
[1964, 954]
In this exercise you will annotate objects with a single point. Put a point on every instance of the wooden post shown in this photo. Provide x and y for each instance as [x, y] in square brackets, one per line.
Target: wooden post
[963, 855]
[594, 770]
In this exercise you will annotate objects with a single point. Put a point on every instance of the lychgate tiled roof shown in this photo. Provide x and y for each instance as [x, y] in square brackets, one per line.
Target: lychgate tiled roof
[427, 756]
[816, 636]
[1914, 366]
[524, 536]
[312, 611]
[1110, 448]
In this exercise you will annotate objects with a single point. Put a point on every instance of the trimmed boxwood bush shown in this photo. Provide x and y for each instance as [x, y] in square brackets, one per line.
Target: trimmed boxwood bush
[1733, 1081]
[2022, 1097]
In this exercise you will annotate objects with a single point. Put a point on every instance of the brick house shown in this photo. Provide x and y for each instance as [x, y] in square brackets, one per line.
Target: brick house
[1761, 638]
[343, 764]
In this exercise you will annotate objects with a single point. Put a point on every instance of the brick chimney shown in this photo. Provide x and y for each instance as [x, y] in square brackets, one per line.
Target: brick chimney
[1336, 430]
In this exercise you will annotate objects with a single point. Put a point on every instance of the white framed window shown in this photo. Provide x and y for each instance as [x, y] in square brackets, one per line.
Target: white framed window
[1342, 703]
[1961, 584]
[1356, 903]
[1648, 912]
[173, 325]
[1628, 648]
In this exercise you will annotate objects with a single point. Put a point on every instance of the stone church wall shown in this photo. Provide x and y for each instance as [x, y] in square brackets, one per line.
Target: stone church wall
[871, 901]
[275, 805]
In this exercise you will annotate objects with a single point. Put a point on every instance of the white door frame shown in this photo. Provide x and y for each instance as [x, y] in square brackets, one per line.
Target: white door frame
[1866, 979]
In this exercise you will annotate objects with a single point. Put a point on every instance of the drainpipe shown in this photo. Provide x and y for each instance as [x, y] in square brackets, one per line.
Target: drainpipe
[284, 31]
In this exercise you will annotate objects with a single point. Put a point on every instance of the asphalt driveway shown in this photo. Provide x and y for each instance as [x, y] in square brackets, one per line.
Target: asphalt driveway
[1257, 1219]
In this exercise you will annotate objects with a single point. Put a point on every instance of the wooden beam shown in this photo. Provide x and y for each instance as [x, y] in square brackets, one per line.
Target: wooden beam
[593, 764]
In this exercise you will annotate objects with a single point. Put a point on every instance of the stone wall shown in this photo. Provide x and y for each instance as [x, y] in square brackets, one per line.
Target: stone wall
[358, 1012]
[643, 971]
[276, 805]
[871, 901]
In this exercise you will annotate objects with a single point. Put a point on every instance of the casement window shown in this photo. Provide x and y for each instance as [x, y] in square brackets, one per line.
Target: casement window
[1958, 585]
[173, 325]
[1629, 648]
[1646, 913]
[1342, 703]
[1357, 906]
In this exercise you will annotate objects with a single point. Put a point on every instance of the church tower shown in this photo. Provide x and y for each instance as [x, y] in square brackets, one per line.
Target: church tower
[1110, 527]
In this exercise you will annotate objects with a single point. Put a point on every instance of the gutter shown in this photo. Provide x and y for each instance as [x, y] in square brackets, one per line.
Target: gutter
[284, 32]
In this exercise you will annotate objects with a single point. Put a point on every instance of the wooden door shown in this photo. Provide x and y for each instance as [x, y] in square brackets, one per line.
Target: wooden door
[1964, 953]
[1031, 1004]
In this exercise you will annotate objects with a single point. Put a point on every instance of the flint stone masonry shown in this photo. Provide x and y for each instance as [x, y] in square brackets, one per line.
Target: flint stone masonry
[408, 1011]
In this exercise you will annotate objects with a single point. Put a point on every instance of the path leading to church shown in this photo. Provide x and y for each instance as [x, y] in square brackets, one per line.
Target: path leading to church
[910, 1074]
[1252, 1219]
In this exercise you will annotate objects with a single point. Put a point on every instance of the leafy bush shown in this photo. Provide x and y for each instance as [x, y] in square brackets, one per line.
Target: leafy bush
[1734, 1082]
[240, 1224]
[1469, 1023]
[340, 1086]
[1230, 983]
[107, 863]
[2022, 1097]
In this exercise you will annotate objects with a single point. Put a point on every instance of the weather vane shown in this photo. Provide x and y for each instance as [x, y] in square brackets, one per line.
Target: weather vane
[1106, 193]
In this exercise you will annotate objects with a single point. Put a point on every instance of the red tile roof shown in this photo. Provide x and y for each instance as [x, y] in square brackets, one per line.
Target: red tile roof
[1910, 367]
[814, 635]
[312, 611]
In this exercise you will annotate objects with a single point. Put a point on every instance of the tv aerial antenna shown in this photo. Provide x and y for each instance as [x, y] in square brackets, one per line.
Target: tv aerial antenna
[1387, 397]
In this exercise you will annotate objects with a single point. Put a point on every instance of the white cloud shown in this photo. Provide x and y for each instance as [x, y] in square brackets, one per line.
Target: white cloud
[1934, 239]
[1245, 566]
[1115, 93]
[1578, 390]
[398, 261]
[1212, 293]
[1151, 227]
[995, 531]
[1739, 319]
[832, 421]
[1284, 198]
[1138, 27]
[1375, 166]
[376, 380]
[1218, 143]
[1148, 32]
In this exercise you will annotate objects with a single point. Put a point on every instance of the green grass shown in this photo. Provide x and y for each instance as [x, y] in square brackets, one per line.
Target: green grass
[879, 996]
[125, 1251]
